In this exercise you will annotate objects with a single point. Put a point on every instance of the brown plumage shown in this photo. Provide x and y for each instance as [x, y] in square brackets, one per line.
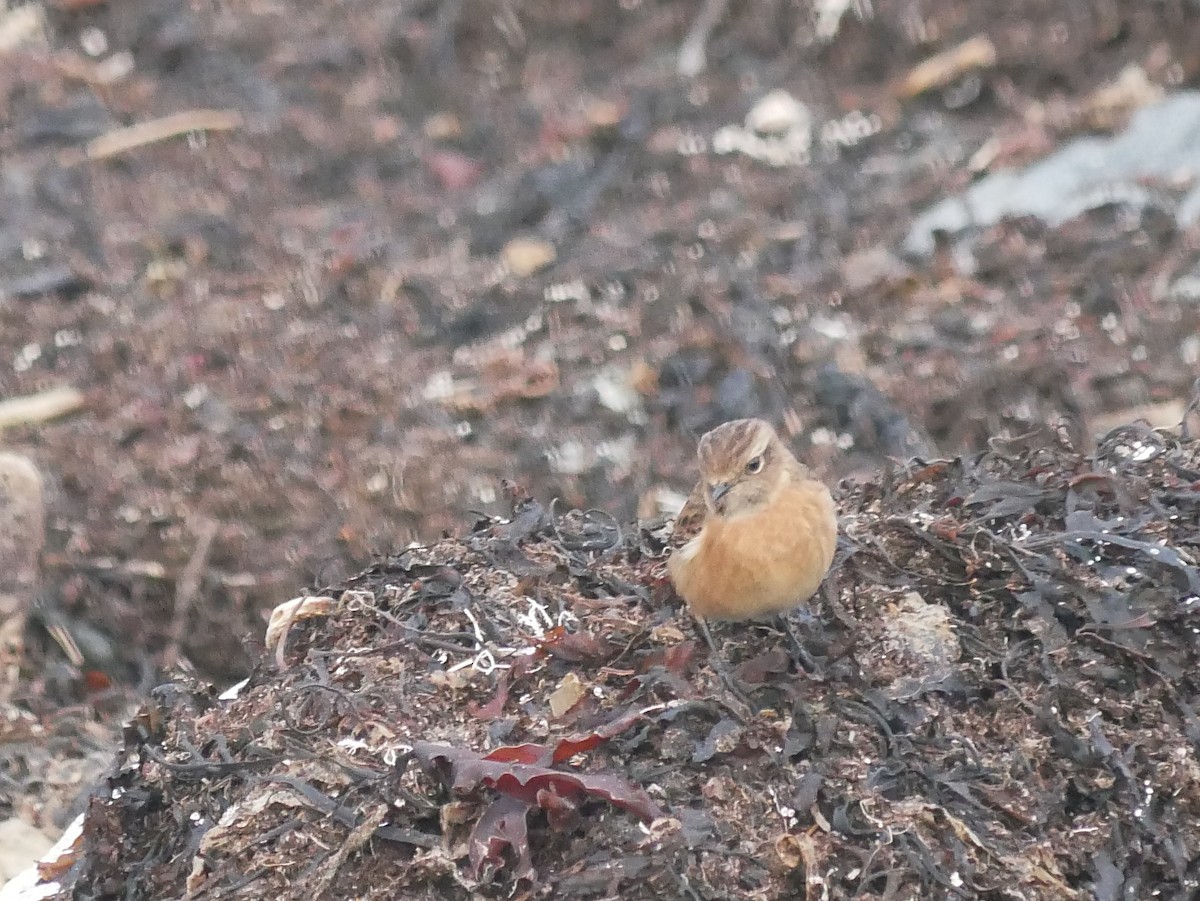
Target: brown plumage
[758, 533]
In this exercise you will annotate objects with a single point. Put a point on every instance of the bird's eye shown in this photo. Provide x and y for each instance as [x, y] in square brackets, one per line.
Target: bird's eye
[755, 465]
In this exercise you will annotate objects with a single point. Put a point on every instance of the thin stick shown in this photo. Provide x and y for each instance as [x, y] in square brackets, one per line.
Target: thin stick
[693, 56]
[1184, 431]
[123, 139]
[186, 589]
[39, 407]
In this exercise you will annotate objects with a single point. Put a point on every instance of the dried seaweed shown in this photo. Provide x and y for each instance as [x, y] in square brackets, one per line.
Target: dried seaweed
[520, 774]
[1007, 708]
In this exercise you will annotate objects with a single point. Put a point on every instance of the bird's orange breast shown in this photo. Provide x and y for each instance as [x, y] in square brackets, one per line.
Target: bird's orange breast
[760, 563]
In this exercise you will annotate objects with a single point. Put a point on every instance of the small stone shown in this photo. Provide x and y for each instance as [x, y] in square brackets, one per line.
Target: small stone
[442, 127]
[778, 113]
[22, 529]
[569, 693]
[525, 256]
[20, 846]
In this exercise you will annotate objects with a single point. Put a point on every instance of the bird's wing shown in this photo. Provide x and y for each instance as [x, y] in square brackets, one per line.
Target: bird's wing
[690, 518]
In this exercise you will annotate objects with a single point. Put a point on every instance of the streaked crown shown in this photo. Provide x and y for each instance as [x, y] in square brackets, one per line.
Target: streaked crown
[727, 447]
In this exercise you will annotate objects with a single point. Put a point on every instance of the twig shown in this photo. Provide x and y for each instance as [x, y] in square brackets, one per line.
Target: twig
[943, 68]
[155, 130]
[358, 837]
[187, 586]
[692, 54]
[1192, 406]
[40, 407]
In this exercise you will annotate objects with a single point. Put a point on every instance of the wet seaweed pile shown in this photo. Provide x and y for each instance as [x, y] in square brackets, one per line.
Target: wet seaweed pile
[1004, 707]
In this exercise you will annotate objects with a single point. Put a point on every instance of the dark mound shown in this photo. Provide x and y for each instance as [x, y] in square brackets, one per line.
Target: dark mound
[1005, 707]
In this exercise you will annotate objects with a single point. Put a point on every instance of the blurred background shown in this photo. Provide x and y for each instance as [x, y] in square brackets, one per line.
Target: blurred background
[286, 285]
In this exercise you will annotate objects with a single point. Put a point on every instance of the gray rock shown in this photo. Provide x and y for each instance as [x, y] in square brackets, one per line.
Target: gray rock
[1161, 142]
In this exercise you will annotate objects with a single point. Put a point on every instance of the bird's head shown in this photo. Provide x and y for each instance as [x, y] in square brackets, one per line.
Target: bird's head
[742, 464]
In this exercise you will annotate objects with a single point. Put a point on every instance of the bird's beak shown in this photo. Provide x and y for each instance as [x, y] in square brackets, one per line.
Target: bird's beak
[718, 491]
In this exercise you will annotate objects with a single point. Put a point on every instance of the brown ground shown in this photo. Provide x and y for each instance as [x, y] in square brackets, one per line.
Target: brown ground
[307, 339]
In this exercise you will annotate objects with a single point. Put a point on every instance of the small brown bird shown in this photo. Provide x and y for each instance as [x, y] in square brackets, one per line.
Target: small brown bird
[768, 529]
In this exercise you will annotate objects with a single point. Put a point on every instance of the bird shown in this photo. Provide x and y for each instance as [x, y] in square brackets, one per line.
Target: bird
[758, 533]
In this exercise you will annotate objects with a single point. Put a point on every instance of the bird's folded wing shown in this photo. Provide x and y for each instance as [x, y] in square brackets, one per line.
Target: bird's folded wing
[690, 519]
